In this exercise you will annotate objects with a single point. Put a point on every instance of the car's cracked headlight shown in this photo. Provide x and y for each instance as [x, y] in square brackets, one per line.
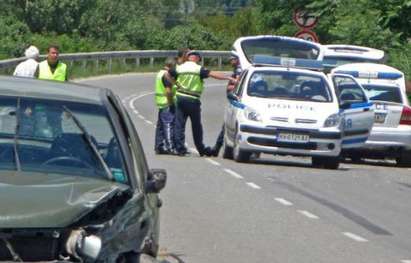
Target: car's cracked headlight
[252, 114]
[332, 121]
[79, 244]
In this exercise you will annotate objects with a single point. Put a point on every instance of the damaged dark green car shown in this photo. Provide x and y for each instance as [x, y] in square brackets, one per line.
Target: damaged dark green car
[74, 181]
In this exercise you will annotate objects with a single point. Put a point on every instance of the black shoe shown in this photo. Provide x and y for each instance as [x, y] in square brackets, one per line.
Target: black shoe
[207, 152]
[182, 153]
[162, 151]
[215, 150]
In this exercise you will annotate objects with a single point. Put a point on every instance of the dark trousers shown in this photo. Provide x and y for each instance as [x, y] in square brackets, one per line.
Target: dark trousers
[165, 129]
[188, 108]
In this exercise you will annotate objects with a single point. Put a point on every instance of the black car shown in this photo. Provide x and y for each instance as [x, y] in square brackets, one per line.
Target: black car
[74, 181]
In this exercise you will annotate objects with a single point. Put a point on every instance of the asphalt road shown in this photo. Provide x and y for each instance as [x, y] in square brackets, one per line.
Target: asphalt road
[274, 209]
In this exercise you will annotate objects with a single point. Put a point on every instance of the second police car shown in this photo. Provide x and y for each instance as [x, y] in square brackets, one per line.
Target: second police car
[288, 106]
[391, 134]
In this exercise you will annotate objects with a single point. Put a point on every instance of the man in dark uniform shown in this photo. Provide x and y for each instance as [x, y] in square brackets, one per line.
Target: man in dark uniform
[235, 63]
[189, 78]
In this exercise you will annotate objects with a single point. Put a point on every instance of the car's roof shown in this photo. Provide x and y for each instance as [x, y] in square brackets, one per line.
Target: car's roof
[367, 67]
[353, 51]
[64, 91]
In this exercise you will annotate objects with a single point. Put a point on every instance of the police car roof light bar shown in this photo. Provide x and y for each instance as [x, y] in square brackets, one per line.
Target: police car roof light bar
[264, 60]
[371, 75]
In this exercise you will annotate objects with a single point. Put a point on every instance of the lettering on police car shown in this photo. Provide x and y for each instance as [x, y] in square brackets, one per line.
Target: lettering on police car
[289, 107]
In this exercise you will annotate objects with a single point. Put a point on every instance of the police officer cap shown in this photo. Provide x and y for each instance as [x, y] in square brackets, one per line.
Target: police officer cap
[194, 53]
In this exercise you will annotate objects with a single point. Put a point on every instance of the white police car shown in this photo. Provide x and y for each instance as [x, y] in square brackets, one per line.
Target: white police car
[391, 134]
[336, 55]
[281, 107]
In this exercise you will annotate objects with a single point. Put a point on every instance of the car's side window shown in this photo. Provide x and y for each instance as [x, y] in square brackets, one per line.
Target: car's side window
[240, 86]
[348, 90]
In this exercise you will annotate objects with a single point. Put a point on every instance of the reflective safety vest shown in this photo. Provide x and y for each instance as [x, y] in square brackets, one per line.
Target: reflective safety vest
[59, 73]
[188, 77]
[161, 95]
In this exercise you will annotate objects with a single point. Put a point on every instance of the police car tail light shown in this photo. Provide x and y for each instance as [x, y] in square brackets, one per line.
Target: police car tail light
[332, 121]
[252, 114]
[406, 116]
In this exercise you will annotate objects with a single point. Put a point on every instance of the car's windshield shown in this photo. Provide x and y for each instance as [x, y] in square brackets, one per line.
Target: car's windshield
[383, 93]
[41, 136]
[277, 47]
[288, 85]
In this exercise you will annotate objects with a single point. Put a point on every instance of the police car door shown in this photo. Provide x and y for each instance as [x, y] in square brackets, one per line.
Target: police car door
[356, 111]
[234, 105]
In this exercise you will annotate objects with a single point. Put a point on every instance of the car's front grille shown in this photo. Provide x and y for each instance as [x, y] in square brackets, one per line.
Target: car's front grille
[275, 143]
[305, 121]
[29, 248]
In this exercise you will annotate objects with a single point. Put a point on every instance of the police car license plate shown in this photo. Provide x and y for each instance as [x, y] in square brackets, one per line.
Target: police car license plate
[293, 137]
[379, 117]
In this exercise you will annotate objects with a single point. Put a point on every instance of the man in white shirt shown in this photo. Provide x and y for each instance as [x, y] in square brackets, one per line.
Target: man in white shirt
[28, 68]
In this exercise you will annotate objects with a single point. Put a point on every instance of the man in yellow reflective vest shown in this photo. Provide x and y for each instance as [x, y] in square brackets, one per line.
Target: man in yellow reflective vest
[164, 137]
[189, 78]
[52, 68]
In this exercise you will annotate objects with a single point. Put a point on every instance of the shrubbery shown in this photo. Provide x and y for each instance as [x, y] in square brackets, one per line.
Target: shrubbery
[96, 25]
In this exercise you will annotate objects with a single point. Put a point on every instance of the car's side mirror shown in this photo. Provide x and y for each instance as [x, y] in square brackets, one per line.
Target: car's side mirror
[345, 105]
[232, 96]
[156, 180]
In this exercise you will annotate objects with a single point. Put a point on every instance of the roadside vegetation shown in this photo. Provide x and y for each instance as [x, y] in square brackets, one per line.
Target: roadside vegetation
[97, 25]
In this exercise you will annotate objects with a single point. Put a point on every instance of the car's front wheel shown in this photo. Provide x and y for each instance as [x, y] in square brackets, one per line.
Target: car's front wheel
[240, 155]
[326, 162]
[404, 160]
[227, 151]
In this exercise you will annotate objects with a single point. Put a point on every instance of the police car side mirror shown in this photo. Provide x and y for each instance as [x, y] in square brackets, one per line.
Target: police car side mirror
[232, 96]
[156, 180]
[345, 105]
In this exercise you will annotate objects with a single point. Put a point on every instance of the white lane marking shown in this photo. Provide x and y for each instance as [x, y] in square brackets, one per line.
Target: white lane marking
[354, 237]
[134, 98]
[409, 170]
[283, 201]
[149, 122]
[213, 162]
[308, 214]
[253, 185]
[233, 174]
[406, 261]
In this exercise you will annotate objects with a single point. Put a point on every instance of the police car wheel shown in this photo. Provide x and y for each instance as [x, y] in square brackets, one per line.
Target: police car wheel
[405, 159]
[227, 152]
[326, 162]
[239, 155]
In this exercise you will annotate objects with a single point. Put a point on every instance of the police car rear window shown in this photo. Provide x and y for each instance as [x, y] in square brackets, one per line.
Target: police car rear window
[289, 86]
[383, 93]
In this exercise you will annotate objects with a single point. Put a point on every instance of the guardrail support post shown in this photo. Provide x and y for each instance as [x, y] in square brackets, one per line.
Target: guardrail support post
[137, 62]
[97, 65]
[151, 62]
[110, 62]
[220, 62]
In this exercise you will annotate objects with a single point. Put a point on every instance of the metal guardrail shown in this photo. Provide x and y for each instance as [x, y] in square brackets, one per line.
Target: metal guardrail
[108, 56]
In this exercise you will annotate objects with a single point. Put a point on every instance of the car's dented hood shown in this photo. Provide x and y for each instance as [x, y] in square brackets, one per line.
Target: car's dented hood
[37, 200]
